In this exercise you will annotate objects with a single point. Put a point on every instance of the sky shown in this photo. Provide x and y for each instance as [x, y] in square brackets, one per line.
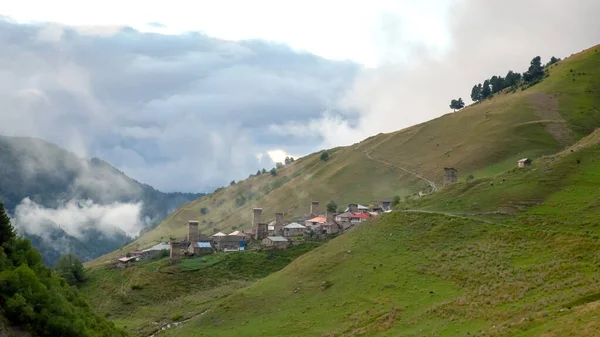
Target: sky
[187, 96]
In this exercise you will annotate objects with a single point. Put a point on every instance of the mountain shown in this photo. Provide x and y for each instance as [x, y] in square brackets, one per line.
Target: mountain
[481, 140]
[50, 177]
[508, 252]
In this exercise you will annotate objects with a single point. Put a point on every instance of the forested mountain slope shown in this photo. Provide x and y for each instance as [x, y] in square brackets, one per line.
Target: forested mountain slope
[51, 176]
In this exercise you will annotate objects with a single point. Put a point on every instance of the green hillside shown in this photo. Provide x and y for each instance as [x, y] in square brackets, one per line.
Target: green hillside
[156, 291]
[524, 263]
[483, 139]
[511, 252]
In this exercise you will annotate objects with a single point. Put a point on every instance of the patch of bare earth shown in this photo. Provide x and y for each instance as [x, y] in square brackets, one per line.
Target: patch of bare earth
[546, 108]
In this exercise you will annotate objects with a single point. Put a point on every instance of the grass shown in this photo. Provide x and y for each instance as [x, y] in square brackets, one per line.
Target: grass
[415, 274]
[155, 291]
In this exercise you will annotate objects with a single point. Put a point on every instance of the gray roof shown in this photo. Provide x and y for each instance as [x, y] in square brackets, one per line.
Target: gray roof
[294, 225]
[277, 238]
[160, 246]
[204, 244]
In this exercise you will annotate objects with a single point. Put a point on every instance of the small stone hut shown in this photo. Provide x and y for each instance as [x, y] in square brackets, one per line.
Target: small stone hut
[524, 162]
[276, 242]
[450, 175]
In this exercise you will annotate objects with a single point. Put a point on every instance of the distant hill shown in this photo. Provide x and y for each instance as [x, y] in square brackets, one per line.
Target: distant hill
[50, 176]
[481, 140]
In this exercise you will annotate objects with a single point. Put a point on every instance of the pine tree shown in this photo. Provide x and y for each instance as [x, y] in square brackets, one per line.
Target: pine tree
[7, 232]
[476, 93]
[486, 91]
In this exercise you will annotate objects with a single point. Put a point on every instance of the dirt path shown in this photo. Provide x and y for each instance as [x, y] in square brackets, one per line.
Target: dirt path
[446, 214]
[546, 108]
[368, 154]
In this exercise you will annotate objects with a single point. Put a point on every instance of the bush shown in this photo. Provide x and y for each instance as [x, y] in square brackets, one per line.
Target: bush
[273, 172]
[203, 210]
[325, 156]
[470, 177]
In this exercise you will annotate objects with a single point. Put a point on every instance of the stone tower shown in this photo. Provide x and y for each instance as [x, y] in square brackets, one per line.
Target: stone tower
[193, 234]
[256, 213]
[279, 223]
[314, 208]
[450, 176]
[353, 208]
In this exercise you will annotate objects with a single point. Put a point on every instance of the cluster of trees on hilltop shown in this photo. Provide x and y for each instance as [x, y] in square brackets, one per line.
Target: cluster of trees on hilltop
[278, 165]
[35, 297]
[482, 91]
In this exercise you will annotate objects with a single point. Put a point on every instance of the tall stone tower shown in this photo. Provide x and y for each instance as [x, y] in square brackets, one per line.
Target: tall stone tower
[279, 223]
[314, 208]
[193, 234]
[256, 214]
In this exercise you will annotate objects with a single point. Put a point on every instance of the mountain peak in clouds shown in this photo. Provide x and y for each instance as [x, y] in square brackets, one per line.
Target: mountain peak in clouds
[180, 112]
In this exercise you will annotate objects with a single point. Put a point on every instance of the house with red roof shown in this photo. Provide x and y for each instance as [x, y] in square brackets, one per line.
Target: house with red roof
[360, 217]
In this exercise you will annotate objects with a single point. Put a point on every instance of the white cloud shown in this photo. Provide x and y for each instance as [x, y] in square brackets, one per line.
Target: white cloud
[76, 216]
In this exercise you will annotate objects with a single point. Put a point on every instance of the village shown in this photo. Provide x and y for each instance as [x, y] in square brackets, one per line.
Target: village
[275, 234]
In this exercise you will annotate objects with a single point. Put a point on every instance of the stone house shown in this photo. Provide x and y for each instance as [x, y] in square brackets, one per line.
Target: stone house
[315, 222]
[155, 251]
[524, 162]
[276, 242]
[200, 248]
[293, 229]
[450, 175]
[230, 243]
[360, 217]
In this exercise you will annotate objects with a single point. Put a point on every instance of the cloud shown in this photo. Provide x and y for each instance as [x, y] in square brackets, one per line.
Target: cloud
[179, 112]
[417, 80]
[75, 216]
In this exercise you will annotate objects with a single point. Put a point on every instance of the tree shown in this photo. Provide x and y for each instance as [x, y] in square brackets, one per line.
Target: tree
[258, 172]
[535, 71]
[273, 171]
[552, 61]
[263, 171]
[232, 183]
[278, 165]
[457, 104]
[71, 269]
[287, 160]
[486, 92]
[7, 232]
[497, 83]
[476, 93]
[331, 207]
[325, 156]
[292, 159]
[204, 210]
[512, 78]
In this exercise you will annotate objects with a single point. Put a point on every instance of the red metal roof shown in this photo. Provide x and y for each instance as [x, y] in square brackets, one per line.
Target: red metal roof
[361, 216]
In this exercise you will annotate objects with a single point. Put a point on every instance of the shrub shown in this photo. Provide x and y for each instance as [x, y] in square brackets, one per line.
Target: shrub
[325, 156]
[203, 210]
[470, 177]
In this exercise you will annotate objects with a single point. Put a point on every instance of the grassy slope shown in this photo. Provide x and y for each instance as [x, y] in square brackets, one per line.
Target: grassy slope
[484, 139]
[533, 272]
[530, 269]
[154, 291]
